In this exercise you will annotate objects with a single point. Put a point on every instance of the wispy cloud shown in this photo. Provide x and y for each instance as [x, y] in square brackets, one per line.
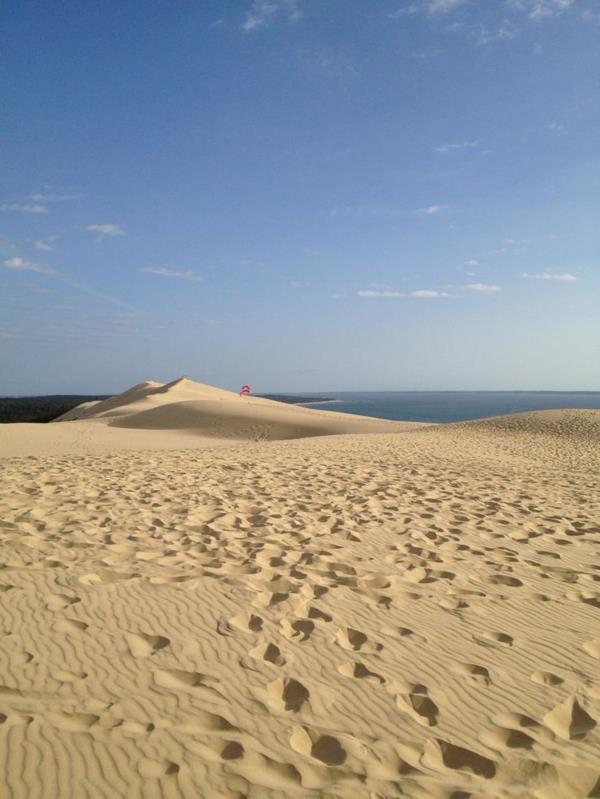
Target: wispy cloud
[472, 262]
[175, 273]
[431, 7]
[262, 12]
[464, 145]
[24, 208]
[22, 265]
[431, 209]
[567, 277]
[506, 31]
[42, 246]
[542, 9]
[106, 230]
[386, 294]
[45, 245]
[490, 288]
[40, 197]
[19, 264]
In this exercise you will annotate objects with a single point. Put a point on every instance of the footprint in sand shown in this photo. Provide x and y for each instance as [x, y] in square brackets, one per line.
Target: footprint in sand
[205, 722]
[502, 738]
[60, 601]
[349, 638]
[64, 675]
[243, 622]
[73, 722]
[570, 720]
[504, 579]
[157, 768]
[232, 750]
[489, 639]
[472, 670]
[546, 678]
[176, 679]
[269, 652]
[326, 748]
[287, 694]
[440, 753]
[142, 645]
[417, 704]
[302, 629]
[70, 626]
[360, 672]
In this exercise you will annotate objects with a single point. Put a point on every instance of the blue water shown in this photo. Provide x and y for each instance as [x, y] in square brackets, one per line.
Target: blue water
[452, 406]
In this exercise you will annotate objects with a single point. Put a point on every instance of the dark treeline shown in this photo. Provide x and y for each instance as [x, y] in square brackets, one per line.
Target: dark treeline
[46, 408]
[40, 409]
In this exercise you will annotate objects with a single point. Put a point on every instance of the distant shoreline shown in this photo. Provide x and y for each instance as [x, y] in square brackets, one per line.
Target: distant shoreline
[318, 402]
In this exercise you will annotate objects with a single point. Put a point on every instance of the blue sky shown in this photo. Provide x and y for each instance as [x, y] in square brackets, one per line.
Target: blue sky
[300, 194]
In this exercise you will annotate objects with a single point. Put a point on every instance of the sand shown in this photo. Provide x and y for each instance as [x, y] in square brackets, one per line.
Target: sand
[412, 612]
[183, 414]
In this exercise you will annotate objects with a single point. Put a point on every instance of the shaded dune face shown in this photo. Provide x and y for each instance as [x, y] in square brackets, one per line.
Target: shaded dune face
[203, 418]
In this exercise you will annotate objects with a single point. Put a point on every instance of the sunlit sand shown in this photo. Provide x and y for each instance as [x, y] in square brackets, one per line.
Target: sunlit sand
[203, 595]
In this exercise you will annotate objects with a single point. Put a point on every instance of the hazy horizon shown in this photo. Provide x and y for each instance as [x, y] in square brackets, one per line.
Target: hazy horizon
[315, 391]
[303, 197]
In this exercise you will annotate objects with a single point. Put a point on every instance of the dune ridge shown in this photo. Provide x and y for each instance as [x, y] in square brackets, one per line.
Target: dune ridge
[179, 415]
[412, 613]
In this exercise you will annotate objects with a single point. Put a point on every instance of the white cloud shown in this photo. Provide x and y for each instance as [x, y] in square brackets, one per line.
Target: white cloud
[24, 208]
[21, 265]
[181, 275]
[566, 277]
[426, 293]
[542, 9]
[430, 7]
[505, 32]
[420, 293]
[263, 11]
[465, 145]
[488, 287]
[442, 6]
[39, 197]
[106, 230]
[42, 246]
[432, 209]
[472, 262]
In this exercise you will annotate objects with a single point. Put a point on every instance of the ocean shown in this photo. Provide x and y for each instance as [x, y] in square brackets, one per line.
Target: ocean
[451, 406]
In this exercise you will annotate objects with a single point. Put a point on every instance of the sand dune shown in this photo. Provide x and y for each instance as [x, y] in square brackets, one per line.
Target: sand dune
[179, 415]
[399, 614]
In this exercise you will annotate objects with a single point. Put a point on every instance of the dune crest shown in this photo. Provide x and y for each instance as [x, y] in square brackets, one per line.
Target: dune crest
[206, 411]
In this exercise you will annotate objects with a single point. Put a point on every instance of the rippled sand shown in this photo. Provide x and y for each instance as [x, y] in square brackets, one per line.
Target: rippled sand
[394, 614]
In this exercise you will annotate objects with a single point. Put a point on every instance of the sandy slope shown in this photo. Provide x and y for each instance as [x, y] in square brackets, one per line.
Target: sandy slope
[179, 415]
[403, 614]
